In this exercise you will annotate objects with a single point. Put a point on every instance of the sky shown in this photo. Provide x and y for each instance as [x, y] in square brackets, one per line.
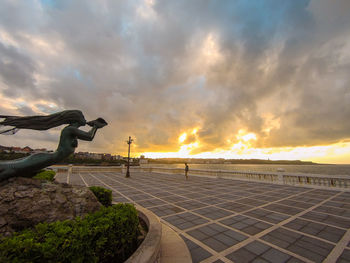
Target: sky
[265, 79]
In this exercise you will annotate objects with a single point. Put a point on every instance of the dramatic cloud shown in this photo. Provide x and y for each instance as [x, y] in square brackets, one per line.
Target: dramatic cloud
[215, 70]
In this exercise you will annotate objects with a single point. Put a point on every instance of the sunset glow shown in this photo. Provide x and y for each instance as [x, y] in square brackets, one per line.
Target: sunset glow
[336, 153]
[182, 137]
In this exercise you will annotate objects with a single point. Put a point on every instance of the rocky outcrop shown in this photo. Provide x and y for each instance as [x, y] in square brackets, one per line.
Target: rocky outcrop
[25, 202]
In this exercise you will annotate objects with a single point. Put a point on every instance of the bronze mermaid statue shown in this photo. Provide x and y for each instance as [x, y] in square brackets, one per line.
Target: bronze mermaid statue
[68, 140]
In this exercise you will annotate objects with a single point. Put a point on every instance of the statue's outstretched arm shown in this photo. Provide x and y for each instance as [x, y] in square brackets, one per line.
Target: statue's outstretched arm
[89, 136]
[85, 136]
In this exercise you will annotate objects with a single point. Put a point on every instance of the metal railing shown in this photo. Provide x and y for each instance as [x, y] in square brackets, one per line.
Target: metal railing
[297, 179]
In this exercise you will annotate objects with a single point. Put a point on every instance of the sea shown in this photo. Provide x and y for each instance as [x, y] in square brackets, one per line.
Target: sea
[326, 169]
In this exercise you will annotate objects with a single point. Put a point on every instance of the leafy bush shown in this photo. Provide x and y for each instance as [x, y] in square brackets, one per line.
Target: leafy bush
[12, 155]
[103, 195]
[45, 175]
[109, 235]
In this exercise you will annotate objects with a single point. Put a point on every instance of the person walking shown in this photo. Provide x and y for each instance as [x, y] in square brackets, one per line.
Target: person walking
[186, 170]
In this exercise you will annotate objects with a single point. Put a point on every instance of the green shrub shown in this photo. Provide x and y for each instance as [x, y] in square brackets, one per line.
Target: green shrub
[103, 195]
[45, 175]
[109, 235]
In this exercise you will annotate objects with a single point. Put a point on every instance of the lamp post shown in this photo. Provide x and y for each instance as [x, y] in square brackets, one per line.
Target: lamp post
[127, 168]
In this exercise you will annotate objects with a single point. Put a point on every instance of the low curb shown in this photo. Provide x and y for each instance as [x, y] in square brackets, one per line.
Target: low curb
[149, 250]
[173, 247]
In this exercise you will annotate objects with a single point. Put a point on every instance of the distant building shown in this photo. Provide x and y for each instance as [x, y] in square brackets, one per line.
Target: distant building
[117, 157]
[81, 155]
[16, 149]
[96, 156]
[27, 149]
[42, 150]
[5, 149]
[78, 155]
[107, 157]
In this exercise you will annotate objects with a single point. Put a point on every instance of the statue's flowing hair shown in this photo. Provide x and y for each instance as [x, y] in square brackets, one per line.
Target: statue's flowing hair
[41, 122]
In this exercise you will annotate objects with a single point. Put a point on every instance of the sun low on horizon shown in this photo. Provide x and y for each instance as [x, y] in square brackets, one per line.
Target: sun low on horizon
[338, 153]
[185, 79]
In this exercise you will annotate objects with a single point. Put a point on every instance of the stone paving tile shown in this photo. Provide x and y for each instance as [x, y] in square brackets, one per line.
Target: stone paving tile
[235, 207]
[267, 198]
[76, 180]
[209, 193]
[294, 203]
[120, 200]
[338, 204]
[327, 193]
[228, 197]
[316, 196]
[302, 245]
[204, 191]
[344, 197]
[165, 210]
[218, 261]
[251, 201]
[344, 257]
[245, 193]
[174, 198]
[211, 200]
[149, 189]
[257, 190]
[185, 220]
[224, 189]
[267, 215]
[179, 192]
[162, 194]
[326, 232]
[168, 188]
[259, 252]
[212, 212]
[194, 195]
[140, 197]
[198, 253]
[217, 237]
[281, 193]
[328, 219]
[120, 188]
[191, 205]
[151, 202]
[245, 224]
[283, 209]
[333, 210]
[305, 199]
[157, 190]
[131, 192]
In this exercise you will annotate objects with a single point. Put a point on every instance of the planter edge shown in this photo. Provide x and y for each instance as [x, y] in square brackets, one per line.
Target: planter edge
[149, 250]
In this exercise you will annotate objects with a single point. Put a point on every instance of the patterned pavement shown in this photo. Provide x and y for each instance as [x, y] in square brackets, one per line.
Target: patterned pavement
[225, 220]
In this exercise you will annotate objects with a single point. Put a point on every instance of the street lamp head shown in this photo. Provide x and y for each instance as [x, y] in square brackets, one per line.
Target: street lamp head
[130, 140]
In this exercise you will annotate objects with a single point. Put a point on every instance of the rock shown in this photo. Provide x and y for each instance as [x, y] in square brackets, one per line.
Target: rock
[26, 202]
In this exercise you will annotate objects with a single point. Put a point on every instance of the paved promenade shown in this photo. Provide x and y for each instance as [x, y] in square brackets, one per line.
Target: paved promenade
[225, 220]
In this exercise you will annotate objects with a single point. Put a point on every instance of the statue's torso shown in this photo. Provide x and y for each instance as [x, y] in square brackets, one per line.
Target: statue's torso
[68, 141]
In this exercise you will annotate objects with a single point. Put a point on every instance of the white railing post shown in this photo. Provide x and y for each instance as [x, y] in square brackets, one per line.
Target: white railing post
[280, 178]
[70, 169]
